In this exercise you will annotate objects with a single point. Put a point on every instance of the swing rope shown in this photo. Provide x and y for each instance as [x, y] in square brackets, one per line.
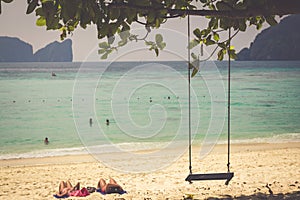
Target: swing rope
[228, 105]
[212, 176]
[189, 94]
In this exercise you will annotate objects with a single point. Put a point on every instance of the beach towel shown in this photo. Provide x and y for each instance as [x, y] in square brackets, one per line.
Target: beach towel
[61, 197]
[111, 191]
[80, 193]
[76, 193]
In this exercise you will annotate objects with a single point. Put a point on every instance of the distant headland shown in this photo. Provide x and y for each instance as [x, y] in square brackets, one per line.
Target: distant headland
[280, 42]
[13, 49]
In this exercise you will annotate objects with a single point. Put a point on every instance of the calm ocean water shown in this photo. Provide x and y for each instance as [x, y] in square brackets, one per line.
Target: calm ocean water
[265, 105]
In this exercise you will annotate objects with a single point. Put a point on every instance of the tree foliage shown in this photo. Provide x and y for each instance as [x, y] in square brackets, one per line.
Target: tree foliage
[115, 17]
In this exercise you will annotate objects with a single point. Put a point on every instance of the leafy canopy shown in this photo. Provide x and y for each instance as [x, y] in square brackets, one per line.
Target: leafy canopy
[115, 17]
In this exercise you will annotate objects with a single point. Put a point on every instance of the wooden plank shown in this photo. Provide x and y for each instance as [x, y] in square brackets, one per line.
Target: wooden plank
[213, 176]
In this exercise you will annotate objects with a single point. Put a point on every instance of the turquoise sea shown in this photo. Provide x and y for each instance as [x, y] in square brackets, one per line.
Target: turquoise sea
[265, 105]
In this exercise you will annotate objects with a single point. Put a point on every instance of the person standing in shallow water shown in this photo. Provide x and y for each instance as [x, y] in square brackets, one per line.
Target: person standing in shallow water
[46, 141]
[91, 122]
[107, 122]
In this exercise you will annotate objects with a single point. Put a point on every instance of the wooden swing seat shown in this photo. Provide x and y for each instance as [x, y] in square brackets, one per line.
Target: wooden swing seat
[212, 176]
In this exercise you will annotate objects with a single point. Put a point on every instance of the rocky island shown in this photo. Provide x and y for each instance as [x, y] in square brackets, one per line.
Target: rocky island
[15, 50]
[279, 42]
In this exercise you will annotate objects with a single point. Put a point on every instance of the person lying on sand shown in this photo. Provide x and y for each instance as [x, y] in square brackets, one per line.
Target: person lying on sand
[65, 188]
[108, 188]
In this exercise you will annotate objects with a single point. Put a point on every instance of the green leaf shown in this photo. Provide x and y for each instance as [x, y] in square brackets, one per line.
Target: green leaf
[150, 18]
[124, 35]
[39, 12]
[195, 71]
[161, 45]
[45, 1]
[63, 35]
[156, 51]
[122, 43]
[225, 23]
[52, 23]
[108, 51]
[114, 13]
[158, 22]
[208, 41]
[104, 56]
[242, 25]
[212, 7]
[101, 51]
[221, 54]
[104, 45]
[232, 54]
[205, 32]
[216, 37]
[222, 45]
[221, 5]
[258, 26]
[193, 43]
[197, 33]
[158, 38]
[196, 63]
[149, 43]
[71, 28]
[194, 56]
[41, 21]
[31, 6]
[213, 23]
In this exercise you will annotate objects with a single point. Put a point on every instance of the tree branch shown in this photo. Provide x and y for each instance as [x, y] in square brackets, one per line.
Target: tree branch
[235, 13]
[271, 7]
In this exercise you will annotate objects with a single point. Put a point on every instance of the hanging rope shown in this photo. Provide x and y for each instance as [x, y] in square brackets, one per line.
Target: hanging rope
[208, 176]
[228, 103]
[189, 94]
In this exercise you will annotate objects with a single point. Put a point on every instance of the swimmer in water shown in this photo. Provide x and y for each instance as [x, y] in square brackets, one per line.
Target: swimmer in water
[91, 122]
[46, 141]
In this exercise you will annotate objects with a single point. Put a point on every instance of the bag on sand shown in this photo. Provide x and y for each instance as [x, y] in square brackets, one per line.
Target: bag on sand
[114, 189]
[91, 189]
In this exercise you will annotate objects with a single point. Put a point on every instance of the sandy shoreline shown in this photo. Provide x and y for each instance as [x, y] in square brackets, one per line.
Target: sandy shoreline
[261, 171]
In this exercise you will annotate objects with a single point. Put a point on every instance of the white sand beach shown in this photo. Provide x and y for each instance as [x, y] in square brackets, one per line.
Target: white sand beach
[262, 171]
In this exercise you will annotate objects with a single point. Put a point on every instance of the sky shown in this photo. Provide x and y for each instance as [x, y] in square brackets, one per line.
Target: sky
[15, 23]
